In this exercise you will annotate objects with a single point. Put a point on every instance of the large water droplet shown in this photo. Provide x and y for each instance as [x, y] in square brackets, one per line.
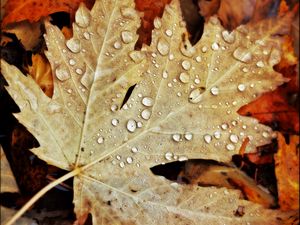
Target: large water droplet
[176, 137]
[147, 101]
[169, 156]
[188, 136]
[234, 138]
[217, 134]
[131, 125]
[62, 73]
[195, 95]
[242, 54]
[207, 138]
[163, 46]
[83, 17]
[146, 113]
[186, 65]
[184, 77]
[74, 45]
[127, 36]
[228, 37]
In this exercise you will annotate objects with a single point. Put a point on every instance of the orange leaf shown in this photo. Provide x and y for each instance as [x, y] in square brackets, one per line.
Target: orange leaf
[287, 172]
[34, 10]
[41, 73]
[275, 106]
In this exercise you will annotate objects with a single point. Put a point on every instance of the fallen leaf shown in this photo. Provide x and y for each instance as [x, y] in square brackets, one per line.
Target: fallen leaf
[41, 72]
[205, 174]
[8, 184]
[34, 10]
[116, 112]
[287, 172]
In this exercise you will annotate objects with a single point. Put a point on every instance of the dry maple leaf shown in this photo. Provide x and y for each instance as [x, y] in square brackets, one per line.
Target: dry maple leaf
[287, 172]
[183, 105]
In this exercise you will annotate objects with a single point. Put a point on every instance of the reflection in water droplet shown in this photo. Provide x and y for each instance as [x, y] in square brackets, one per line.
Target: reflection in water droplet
[127, 36]
[131, 125]
[62, 73]
[169, 156]
[184, 77]
[207, 138]
[74, 45]
[228, 37]
[242, 54]
[163, 46]
[100, 140]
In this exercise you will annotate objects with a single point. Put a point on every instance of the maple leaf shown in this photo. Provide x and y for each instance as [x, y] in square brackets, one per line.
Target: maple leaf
[183, 105]
[287, 172]
[34, 10]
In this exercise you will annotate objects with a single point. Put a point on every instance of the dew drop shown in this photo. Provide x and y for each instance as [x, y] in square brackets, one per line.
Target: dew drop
[74, 45]
[79, 71]
[183, 158]
[195, 95]
[122, 164]
[134, 150]
[169, 33]
[72, 62]
[127, 36]
[131, 125]
[169, 156]
[214, 90]
[233, 138]
[186, 65]
[198, 59]
[165, 75]
[184, 77]
[176, 137]
[83, 17]
[187, 49]
[146, 114]
[242, 54]
[163, 46]
[147, 101]
[114, 108]
[100, 140]
[204, 49]
[62, 73]
[137, 56]
[86, 35]
[129, 13]
[114, 122]
[245, 70]
[224, 126]
[241, 87]
[188, 136]
[228, 37]
[260, 64]
[265, 134]
[215, 46]
[117, 45]
[217, 134]
[171, 57]
[139, 124]
[129, 160]
[207, 138]
[157, 23]
[230, 147]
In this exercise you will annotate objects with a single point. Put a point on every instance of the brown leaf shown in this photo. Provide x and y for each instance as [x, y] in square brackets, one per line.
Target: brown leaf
[287, 172]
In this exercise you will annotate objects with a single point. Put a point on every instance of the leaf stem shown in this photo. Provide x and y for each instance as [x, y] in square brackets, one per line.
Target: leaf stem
[43, 191]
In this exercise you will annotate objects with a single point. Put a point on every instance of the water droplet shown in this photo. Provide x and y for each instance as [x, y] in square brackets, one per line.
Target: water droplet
[139, 124]
[214, 90]
[260, 64]
[171, 57]
[197, 81]
[86, 35]
[114, 108]
[134, 150]
[129, 13]
[131, 125]
[187, 49]
[188, 136]
[184, 77]
[54, 108]
[83, 17]
[147, 101]
[195, 95]
[79, 71]
[129, 160]
[168, 33]
[207, 138]
[204, 49]
[224, 126]
[245, 70]
[163, 46]
[117, 45]
[183, 158]
[230, 147]
[241, 87]
[169, 156]
[62, 73]
[242, 54]
[122, 164]
[165, 75]
[146, 114]
[114, 122]
[127, 36]
[228, 37]
[100, 140]
[176, 137]
[234, 138]
[157, 23]
[198, 59]
[217, 134]
[186, 65]
[72, 62]
[215, 46]
[74, 45]
[137, 56]
[265, 134]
